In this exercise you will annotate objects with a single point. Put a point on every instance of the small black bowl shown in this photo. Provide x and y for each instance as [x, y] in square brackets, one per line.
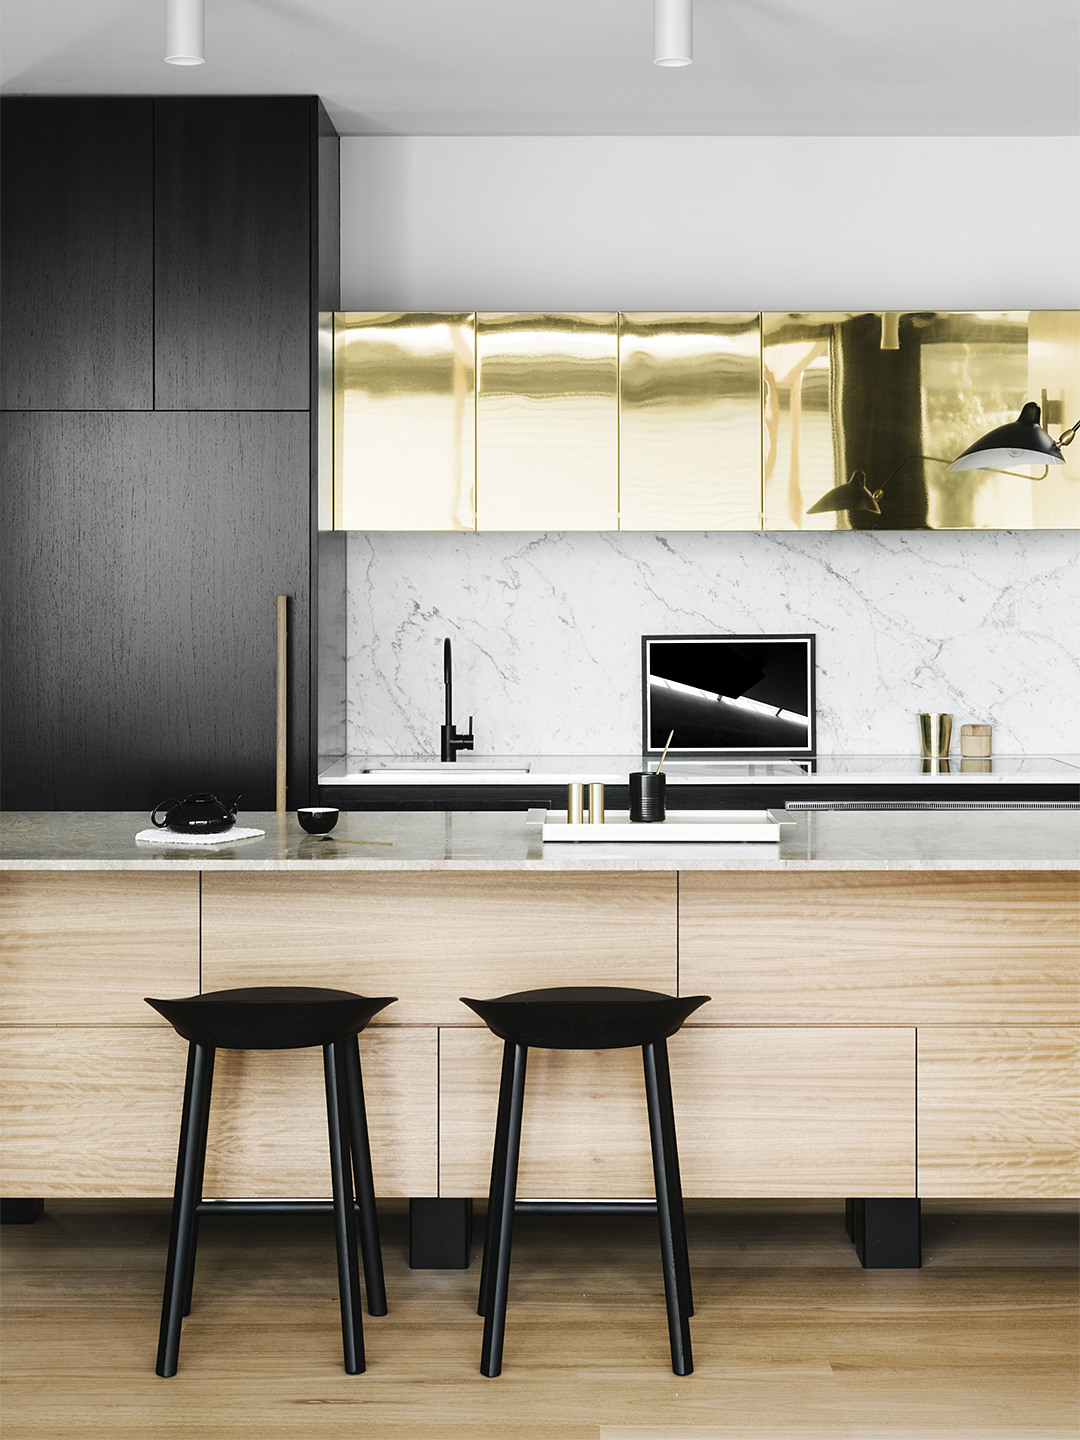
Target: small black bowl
[318, 819]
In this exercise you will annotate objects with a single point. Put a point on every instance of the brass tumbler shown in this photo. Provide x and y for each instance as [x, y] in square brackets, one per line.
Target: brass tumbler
[935, 735]
[575, 804]
[596, 804]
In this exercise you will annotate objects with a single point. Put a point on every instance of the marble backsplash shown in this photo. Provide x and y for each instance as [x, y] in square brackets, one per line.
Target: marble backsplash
[547, 632]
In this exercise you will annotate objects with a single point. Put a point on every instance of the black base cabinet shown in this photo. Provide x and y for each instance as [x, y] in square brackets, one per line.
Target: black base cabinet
[165, 261]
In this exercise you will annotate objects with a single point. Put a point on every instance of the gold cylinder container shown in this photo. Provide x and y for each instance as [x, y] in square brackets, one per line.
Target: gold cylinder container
[596, 804]
[935, 734]
[575, 804]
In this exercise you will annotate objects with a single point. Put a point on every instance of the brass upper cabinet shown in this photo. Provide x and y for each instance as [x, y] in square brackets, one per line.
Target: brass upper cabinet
[547, 422]
[689, 422]
[898, 396]
[404, 421]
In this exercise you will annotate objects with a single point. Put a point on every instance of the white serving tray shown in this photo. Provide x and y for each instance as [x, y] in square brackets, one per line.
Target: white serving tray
[685, 825]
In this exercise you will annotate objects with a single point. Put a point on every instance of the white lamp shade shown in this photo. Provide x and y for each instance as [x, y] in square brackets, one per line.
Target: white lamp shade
[673, 35]
[1022, 442]
[1005, 459]
[184, 32]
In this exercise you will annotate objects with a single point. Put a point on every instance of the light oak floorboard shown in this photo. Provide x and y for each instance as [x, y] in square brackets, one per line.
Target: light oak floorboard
[792, 1338]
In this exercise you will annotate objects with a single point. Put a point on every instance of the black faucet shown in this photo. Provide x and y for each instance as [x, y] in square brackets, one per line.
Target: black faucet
[452, 742]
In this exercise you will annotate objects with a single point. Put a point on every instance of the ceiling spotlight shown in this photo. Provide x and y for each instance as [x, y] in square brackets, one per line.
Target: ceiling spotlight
[673, 32]
[184, 32]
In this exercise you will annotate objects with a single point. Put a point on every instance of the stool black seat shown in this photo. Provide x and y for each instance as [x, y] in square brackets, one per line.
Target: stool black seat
[277, 1018]
[585, 1018]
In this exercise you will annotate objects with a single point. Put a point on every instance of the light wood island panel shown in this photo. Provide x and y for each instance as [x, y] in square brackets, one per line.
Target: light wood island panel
[432, 937]
[817, 1111]
[836, 994]
[999, 1111]
[84, 948]
[882, 948]
[96, 1112]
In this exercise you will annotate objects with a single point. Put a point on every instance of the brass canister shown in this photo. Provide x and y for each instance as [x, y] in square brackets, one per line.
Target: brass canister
[575, 804]
[596, 804]
[935, 734]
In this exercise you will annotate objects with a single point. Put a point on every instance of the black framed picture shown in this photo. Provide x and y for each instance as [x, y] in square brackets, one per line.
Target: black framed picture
[732, 696]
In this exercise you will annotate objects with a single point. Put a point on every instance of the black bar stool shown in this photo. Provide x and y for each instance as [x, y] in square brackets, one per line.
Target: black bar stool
[585, 1018]
[277, 1018]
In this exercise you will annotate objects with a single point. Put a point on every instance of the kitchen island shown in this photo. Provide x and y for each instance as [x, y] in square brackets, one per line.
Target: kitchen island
[895, 1002]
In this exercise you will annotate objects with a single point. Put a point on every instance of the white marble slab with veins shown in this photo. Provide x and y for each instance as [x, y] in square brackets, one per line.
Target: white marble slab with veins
[547, 632]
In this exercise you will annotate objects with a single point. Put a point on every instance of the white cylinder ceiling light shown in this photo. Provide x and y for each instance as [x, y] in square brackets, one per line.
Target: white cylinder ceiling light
[184, 32]
[673, 32]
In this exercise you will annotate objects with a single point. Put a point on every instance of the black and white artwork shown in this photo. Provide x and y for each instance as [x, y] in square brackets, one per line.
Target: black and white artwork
[729, 695]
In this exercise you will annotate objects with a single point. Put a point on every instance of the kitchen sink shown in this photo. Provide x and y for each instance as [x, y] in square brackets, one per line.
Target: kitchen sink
[450, 769]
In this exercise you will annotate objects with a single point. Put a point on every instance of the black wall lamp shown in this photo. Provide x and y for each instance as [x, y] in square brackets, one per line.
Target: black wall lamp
[1022, 442]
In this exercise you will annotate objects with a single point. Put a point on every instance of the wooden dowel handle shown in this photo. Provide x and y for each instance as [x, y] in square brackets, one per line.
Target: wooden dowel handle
[282, 697]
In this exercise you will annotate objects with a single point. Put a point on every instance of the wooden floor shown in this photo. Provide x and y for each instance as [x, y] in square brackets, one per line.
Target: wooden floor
[791, 1338]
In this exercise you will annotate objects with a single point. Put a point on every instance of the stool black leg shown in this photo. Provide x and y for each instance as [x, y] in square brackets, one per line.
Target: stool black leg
[352, 1329]
[370, 1249]
[498, 1165]
[666, 1201]
[204, 1127]
[189, 1161]
[671, 1150]
[502, 1235]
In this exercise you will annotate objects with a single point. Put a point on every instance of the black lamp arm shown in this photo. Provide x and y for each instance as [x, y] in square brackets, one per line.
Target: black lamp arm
[993, 470]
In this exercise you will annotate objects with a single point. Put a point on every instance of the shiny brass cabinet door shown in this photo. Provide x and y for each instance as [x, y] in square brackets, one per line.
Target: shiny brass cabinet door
[404, 421]
[689, 422]
[547, 423]
[898, 396]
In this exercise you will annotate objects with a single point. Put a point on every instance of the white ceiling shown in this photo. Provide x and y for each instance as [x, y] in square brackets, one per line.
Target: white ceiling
[584, 67]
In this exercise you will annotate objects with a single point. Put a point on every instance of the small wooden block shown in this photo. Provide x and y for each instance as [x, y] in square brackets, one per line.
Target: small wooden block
[975, 741]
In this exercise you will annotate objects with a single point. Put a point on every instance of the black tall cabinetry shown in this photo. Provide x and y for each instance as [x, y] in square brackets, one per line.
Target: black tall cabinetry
[164, 263]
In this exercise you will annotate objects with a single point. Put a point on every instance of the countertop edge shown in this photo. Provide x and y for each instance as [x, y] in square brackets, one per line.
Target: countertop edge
[321, 867]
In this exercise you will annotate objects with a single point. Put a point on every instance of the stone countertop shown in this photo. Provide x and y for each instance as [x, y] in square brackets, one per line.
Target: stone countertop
[511, 840]
[485, 770]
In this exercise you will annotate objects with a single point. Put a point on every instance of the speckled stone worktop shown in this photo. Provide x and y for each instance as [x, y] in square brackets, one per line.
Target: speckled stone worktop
[510, 840]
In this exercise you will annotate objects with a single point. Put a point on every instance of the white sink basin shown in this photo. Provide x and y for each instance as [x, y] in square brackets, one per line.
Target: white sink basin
[446, 770]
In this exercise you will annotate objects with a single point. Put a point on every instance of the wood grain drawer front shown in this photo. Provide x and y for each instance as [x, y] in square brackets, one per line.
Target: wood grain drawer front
[816, 1111]
[759, 1113]
[585, 1131]
[90, 1112]
[268, 1118]
[84, 948]
[880, 948]
[431, 937]
[999, 1111]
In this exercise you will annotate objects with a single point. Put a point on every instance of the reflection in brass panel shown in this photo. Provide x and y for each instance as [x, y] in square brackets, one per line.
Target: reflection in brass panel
[325, 420]
[840, 395]
[404, 409]
[689, 422]
[547, 419]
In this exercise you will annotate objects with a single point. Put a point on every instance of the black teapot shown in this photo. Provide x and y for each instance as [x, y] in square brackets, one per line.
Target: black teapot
[197, 815]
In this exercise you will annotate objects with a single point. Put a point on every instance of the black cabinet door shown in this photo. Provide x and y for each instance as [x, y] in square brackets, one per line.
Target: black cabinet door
[233, 208]
[142, 558]
[77, 294]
